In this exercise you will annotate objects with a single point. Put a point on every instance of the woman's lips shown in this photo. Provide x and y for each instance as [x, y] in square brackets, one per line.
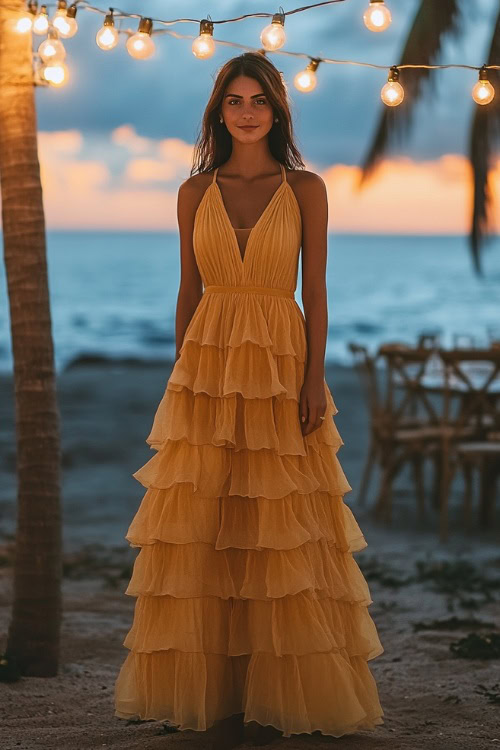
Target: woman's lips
[248, 127]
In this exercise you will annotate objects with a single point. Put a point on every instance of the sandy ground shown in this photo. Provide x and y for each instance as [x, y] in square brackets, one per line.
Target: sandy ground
[431, 697]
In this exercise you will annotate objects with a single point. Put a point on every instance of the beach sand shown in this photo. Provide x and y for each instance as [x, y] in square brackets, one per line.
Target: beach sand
[430, 696]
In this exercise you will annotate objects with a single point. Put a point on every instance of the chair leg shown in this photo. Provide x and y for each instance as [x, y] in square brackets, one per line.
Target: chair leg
[467, 471]
[365, 479]
[447, 471]
[418, 477]
[383, 506]
[488, 487]
[437, 479]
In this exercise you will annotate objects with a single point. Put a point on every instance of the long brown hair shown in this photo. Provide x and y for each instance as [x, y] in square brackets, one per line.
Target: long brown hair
[214, 142]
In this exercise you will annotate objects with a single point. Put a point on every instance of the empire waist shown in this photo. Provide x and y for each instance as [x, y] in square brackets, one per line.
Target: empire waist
[251, 289]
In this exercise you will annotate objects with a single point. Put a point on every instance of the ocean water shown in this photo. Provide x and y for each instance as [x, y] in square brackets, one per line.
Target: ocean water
[114, 294]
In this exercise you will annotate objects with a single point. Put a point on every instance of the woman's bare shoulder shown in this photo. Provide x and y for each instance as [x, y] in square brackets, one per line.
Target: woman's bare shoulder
[304, 179]
[308, 186]
[191, 191]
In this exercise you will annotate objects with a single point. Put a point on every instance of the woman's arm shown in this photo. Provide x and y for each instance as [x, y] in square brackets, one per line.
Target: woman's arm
[190, 286]
[314, 210]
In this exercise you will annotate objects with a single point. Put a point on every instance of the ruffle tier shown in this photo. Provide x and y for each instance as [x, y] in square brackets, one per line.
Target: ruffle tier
[296, 624]
[237, 422]
[216, 472]
[197, 689]
[178, 516]
[163, 568]
[228, 321]
[248, 595]
[249, 369]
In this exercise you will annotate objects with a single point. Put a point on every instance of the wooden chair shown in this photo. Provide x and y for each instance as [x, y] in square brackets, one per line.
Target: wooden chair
[400, 431]
[412, 422]
[472, 440]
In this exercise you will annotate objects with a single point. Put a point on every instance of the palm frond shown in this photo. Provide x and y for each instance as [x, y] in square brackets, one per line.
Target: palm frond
[484, 134]
[423, 44]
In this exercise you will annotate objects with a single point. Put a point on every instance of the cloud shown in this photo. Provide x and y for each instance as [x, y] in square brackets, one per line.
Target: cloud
[61, 141]
[402, 196]
[177, 151]
[126, 136]
[149, 170]
[407, 197]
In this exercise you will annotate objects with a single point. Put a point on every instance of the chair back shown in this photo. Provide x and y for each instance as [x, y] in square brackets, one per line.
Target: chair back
[472, 390]
[366, 368]
[408, 400]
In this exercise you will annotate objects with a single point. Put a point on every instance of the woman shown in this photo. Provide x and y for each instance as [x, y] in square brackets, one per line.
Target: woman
[251, 616]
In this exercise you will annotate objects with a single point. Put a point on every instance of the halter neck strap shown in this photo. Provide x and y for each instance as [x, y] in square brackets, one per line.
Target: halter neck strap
[215, 174]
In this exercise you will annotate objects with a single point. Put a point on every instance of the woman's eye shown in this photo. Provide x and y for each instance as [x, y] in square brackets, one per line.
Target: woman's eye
[231, 101]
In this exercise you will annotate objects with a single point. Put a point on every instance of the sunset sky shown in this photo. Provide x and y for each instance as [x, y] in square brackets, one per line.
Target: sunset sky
[117, 141]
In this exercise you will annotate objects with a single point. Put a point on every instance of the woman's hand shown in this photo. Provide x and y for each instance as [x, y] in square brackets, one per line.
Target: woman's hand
[312, 404]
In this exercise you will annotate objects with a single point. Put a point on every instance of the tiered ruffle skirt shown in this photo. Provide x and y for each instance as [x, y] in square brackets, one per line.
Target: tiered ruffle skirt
[249, 599]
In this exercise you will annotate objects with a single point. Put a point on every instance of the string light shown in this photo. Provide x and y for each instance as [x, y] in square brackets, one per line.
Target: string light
[41, 22]
[52, 50]
[377, 16]
[204, 45]
[23, 21]
[107, 36]
[306, 80]
[140, 45]
[483, 92]
[64, 19]
[55, 73]
[59, 17]
[273, 36]
[392, 93]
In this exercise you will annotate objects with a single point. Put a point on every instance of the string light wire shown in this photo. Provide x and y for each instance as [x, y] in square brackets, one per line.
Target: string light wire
[120, 15]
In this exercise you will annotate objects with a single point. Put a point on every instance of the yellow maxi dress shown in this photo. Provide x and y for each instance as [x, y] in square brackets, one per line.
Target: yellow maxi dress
[248, 596]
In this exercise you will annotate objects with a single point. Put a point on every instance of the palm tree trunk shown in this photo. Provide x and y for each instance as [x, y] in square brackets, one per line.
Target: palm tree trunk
[33, 638]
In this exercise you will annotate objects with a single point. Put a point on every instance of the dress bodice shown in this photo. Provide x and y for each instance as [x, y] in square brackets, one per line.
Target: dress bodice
[263, 255]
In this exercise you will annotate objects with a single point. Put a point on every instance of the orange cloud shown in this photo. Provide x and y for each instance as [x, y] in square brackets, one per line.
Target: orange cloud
[149, 170]
[61, 141]
[402, 195]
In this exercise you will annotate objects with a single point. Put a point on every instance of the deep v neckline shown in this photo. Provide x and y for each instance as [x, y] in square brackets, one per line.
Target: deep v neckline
[261, 217]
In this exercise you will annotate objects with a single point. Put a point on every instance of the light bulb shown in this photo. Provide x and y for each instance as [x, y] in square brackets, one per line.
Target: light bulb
[59, 22]
[377, 16]
[59, 17]
[64, 20]
[23, 23]
[140, 45]
[273, 36]
[483, 92]
[204, 45]
[52, 50]
[392, 93]
[306, 79]
[55, 73]
[41, 22]
[107, 36]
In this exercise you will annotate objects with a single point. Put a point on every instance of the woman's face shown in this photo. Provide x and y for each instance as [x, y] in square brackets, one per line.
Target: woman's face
[244, 103]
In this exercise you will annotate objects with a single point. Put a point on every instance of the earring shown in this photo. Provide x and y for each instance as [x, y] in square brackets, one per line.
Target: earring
[276, 119]
[221, 119]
